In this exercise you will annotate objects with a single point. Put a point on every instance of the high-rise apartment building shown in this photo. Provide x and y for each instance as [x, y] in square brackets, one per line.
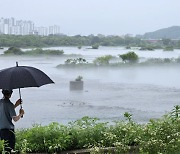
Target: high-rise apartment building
[54, 30]
[22, 27]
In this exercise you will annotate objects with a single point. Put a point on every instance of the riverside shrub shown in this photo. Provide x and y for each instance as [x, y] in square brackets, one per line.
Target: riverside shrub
[157, 136]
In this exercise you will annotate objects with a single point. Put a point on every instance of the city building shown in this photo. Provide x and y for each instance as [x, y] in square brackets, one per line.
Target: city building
[11, 26]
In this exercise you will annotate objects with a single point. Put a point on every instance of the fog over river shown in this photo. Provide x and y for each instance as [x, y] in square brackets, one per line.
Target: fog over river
[144, 91]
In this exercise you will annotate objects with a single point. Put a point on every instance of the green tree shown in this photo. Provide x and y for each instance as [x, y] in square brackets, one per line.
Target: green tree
[166, 42]
[130, 56]
[95, 46]
[104, 60]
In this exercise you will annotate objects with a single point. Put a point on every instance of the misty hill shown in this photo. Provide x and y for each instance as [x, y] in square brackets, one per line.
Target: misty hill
[171, 33]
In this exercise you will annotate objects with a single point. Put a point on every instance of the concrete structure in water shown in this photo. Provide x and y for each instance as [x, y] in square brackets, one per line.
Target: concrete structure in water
[76, 85]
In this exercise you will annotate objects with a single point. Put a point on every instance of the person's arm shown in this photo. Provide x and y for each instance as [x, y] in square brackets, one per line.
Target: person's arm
[21, 113]
[18, 102]
[16, 118]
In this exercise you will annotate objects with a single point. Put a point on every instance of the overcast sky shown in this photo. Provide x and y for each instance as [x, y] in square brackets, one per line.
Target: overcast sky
[86, 17]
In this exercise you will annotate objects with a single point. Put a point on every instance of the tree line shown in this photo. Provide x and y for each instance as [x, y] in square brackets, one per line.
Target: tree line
[78, 40]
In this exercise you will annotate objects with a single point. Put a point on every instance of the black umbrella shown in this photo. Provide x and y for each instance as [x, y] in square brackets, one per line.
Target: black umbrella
[22, 77]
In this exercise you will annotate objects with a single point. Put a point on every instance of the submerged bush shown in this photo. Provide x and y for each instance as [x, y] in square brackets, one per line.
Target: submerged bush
[159, 60]
[95, 46]
[149, 48]
[169, 48]
[130, 56]
[40, 51]
[76, 61]
[103, 60]
[13, 51]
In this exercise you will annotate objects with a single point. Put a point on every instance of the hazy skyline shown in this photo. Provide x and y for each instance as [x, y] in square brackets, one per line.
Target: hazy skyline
[109, 17]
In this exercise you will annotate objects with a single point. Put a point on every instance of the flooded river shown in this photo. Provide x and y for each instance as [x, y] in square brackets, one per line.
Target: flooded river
[145, 91]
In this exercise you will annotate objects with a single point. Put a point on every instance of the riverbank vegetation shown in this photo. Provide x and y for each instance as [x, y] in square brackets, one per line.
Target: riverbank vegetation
[127, 59]
[157, 136]
[33, 52]
[31, 41]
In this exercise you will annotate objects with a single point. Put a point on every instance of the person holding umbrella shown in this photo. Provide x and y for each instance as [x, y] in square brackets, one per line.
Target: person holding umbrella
[7, 114]
[16, 78]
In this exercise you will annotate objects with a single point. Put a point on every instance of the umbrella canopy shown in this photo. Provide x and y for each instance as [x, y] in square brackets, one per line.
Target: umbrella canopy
[22, 76]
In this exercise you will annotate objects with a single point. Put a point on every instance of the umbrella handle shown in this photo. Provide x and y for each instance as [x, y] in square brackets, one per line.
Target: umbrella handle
[21, 100]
